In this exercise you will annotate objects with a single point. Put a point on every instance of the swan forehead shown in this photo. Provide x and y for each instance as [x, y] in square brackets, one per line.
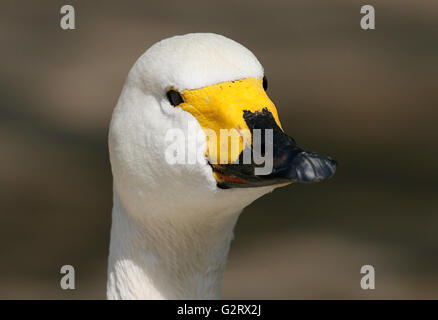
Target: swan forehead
[196, 60]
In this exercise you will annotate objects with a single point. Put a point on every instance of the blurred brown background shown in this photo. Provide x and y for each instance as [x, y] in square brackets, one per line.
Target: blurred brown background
[367, 98]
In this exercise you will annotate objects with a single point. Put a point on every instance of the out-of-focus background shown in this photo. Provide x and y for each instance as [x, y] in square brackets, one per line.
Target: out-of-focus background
[367, 98]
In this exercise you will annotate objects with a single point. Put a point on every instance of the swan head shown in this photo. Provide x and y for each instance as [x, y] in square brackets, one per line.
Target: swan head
[179, 99]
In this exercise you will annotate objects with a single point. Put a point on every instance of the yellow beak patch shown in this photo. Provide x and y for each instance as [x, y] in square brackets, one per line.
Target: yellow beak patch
[219, 110]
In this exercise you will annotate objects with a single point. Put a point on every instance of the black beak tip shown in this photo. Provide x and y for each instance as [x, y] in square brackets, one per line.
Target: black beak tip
[311, 167]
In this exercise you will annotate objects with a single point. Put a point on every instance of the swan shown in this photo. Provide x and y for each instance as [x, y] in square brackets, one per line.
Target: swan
[172, 222]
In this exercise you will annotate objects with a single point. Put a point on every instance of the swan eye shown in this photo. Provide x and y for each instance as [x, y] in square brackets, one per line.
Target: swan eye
[265, 83]
[174, 98]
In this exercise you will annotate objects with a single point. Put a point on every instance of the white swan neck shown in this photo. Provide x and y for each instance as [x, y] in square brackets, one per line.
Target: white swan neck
[166, 259]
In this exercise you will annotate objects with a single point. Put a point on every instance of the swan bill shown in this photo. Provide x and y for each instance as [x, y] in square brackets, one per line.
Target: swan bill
[290, 163]
[243, 110]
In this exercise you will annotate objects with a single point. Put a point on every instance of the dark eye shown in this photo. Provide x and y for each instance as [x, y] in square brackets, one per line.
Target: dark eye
[174, 98]
[265, 83]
